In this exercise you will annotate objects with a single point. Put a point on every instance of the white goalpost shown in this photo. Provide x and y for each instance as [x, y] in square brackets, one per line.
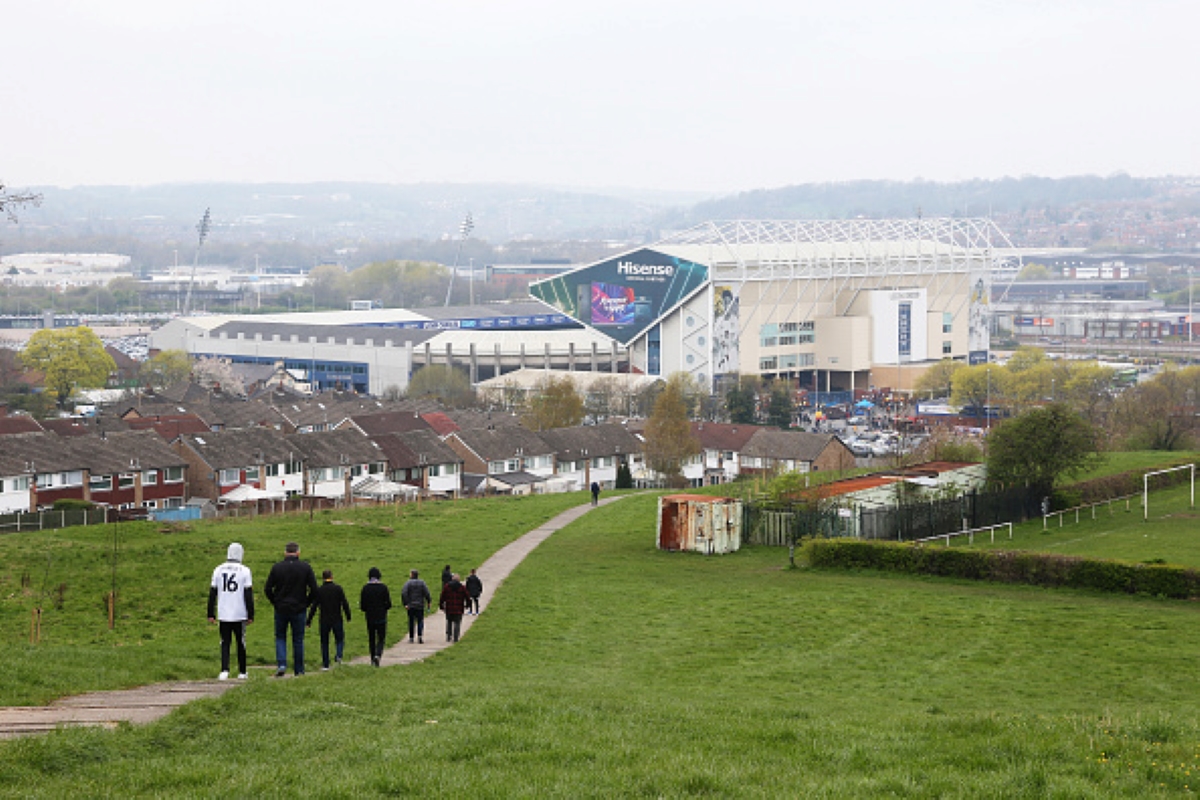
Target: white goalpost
[1146, 487]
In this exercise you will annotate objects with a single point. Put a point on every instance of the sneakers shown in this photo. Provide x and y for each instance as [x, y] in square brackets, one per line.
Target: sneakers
[410, 640]
[375, 660]
[420, 640]
[224, 676]
[324, 669]
[242, 676]
[280, 672]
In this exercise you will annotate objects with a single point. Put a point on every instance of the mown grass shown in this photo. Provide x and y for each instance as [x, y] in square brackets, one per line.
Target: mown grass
[1113, 463]
[1171, 535]
[606, 668]
[162, 585]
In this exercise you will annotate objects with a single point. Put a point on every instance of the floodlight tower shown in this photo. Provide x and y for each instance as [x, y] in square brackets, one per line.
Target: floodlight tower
[202, 228]
[464, 230]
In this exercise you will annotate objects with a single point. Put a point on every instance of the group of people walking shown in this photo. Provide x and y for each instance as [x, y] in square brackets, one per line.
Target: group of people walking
[292, 590]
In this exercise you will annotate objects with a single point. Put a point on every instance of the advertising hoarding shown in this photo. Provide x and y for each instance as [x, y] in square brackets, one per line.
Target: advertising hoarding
[623, 296]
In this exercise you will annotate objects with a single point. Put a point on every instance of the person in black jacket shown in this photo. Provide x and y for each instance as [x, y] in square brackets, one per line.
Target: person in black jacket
[416, 599]
[291, 588]
[474, 589]
[331, 601]
[375, 602]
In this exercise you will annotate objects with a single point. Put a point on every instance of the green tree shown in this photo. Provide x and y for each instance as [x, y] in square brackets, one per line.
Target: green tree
[741, 399]
[669, 438]
[979, 385]
[1038, 447]
[69, 358]
[554, 403]
[938, 380]
[624, 477]
[780, 405]
[451, 386]
[165, 368]
[1034, 272]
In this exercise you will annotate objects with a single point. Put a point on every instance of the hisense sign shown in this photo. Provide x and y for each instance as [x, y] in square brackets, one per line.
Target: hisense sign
[631, 268]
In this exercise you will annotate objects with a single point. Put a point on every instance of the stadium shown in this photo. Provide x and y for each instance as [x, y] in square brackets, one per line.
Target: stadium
[836, 305]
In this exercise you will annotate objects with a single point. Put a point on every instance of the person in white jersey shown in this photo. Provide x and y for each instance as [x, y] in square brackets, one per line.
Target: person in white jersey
[231, 606]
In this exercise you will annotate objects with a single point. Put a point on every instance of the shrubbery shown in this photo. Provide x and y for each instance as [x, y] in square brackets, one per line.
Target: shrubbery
[1036, 569]
[72, 504]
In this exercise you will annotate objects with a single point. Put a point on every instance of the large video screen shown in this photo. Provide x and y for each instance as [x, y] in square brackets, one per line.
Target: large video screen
[612, 304]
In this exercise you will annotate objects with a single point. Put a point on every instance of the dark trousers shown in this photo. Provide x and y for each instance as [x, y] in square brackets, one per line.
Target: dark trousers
[376, 636]
[453, 626]
[297, 622]
[416, 620]
[339, 638]
[473, 604]
[230, 631]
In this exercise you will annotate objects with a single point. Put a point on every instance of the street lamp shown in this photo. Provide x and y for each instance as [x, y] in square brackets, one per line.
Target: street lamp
[987, 406]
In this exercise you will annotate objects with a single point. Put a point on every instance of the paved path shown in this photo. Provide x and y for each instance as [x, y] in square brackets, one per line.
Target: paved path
[148, 703]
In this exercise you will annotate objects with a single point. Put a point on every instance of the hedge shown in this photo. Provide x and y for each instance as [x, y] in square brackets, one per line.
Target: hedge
[1002, 566]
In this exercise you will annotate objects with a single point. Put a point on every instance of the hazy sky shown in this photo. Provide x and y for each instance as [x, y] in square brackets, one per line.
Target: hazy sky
[693, 95]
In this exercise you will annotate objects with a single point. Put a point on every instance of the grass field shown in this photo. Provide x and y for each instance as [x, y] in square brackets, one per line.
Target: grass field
[1117, 462]
[606, 668]
[162, 585]
[1171, 535]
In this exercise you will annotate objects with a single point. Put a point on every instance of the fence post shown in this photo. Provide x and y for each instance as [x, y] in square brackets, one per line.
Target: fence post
[1044, 518]
[1010, 530]
[41, 520]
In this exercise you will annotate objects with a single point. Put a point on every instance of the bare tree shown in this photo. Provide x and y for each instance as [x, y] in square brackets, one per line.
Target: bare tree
[10, 201]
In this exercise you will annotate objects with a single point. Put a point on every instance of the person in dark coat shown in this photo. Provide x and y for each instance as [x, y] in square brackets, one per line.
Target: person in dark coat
[332, 603]
[375, 602]
[474, 589]
[291, 587]
[446, 574]
[452, 602]
[417, 600]
[595, 493]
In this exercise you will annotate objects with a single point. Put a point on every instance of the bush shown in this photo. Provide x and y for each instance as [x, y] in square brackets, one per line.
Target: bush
[1035, 569]
[72, 504]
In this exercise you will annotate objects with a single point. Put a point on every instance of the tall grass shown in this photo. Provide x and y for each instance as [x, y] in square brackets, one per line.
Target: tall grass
[606, 668]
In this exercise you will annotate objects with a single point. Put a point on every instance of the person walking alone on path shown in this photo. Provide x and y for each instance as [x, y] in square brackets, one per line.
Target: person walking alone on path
[452, 601]
[231, 606]
[332, 603]
[292, 589]
[595, 493]
[474, 589]
[417, 600]
[375, 602]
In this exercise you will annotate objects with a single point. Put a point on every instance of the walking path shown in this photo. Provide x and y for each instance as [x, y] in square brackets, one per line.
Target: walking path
[148, 703]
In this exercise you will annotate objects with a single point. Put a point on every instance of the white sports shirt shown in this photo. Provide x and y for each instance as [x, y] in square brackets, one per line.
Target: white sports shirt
[229, 580]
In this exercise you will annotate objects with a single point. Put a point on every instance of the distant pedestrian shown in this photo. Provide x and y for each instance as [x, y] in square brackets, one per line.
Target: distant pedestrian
[375, 602]
[474, 589]
[231, 607]
[417, 600]
[332, 603]
[446, 574]
[595, 493]
[453, 601]
[292, 589]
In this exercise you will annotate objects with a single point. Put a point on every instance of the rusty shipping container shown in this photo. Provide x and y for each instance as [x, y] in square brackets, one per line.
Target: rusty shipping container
[699, 523]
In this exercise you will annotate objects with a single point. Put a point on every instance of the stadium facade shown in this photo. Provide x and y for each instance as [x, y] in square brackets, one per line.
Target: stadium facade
[838, 305]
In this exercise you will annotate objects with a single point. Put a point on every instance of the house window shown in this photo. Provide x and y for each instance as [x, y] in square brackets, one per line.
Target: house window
[252, 473]
[378, 468]
[173, 502]
[151, 504]
[946, 348]
[356, 470]
[512, 465]
[947, 324]
[126, 481]
[100, 483]
[495, 467]
[765, 364]
[230, 476]
[173, 474]
[19, 485]
[272, 470]
[150, 477]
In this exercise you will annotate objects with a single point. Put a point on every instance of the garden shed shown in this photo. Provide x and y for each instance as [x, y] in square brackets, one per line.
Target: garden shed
[699, 523]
